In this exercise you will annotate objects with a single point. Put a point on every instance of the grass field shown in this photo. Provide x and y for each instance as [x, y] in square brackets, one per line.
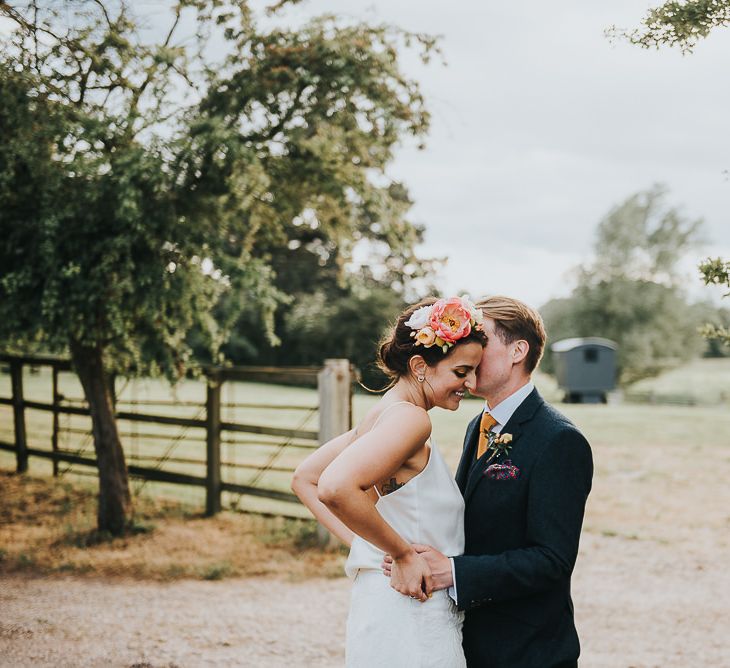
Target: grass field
[626, 437]
[47, 527]
[701, 381]
[148, 444]
[660, 471]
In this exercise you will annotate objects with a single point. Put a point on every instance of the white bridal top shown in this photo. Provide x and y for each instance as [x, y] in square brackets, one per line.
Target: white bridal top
[428, 509]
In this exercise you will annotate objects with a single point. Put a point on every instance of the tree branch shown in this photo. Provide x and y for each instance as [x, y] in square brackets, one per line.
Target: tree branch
[152, 69]
[285, 118]
[101, 6]
[29, 27]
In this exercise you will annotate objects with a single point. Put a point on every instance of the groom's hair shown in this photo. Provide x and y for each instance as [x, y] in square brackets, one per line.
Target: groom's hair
[515, 320]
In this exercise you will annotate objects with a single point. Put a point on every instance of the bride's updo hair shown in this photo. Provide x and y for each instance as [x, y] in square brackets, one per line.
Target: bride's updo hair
[403, 341]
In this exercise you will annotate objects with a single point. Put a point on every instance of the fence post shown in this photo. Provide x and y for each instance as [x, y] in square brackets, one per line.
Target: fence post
[21, 445]
[213, 444]
[56, 406]
[334, 387]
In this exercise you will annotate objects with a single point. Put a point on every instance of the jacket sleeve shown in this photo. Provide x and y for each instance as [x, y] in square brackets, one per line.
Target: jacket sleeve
[558, 488]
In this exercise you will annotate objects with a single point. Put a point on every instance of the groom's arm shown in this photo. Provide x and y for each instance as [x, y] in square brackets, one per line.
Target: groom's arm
[558, 488]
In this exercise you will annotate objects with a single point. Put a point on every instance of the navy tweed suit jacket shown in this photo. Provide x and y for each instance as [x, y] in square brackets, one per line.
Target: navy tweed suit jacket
[522, 535]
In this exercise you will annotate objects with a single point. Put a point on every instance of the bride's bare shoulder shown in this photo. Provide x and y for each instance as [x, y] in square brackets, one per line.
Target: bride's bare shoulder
[403, 414]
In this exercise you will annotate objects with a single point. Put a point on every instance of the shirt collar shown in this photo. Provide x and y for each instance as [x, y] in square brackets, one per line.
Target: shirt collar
[503, 411]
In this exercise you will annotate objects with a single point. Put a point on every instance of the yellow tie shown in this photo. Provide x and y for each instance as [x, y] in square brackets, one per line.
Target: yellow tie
[484, 426]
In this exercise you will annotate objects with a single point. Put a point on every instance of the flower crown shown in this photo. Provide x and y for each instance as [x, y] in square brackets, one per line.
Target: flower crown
[444, 322]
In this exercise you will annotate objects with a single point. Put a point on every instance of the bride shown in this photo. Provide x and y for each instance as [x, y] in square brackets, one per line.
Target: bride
[384, 485]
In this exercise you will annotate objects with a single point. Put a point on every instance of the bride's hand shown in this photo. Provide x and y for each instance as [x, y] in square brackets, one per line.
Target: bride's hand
[411, 576]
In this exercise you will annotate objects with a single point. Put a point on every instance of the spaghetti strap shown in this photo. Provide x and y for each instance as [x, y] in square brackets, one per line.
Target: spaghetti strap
[377, 419]
[385, 409]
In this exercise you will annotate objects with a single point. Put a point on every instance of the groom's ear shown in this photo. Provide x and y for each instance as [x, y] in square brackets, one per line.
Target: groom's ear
[520, 348]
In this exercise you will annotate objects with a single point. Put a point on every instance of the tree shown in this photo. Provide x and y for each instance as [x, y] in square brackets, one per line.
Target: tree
[146, 178]
[684, 24]
[680, 24]
[348, 327]
[631, 292]
[349, 304]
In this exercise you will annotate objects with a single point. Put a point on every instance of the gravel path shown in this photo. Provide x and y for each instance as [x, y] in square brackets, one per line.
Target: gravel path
[639, 603]
[266, 623]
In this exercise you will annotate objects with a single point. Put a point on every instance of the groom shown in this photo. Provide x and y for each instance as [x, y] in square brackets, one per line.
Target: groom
[525, 474]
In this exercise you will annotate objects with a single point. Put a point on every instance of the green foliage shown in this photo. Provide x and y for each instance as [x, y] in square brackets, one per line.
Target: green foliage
[293, 533]
[630, 293]
[148, 187]
[348, 327]
[681, 24]
[86, 538]
[216, 571]
[26, 561]
[338, 309]
[717, 272]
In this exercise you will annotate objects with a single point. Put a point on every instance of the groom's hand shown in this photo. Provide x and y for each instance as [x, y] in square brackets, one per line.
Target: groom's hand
[439, 563]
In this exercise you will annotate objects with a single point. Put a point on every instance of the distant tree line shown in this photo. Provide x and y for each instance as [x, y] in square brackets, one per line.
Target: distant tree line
[633, 290]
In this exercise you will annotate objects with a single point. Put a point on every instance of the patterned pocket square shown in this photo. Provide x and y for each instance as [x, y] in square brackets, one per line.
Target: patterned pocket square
[504, 471]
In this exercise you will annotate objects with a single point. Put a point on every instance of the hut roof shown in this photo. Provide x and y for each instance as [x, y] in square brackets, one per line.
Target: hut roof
[569, 344]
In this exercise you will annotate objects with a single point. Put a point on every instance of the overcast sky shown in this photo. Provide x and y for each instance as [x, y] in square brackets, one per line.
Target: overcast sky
[541, 125]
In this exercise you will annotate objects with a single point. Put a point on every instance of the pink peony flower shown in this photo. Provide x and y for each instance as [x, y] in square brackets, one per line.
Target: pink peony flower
[450, 320]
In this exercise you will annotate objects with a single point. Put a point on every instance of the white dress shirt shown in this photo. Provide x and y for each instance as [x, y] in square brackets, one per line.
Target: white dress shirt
[502, 412]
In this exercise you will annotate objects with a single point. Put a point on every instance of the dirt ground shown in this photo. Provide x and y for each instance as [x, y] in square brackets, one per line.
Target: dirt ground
[667, 613]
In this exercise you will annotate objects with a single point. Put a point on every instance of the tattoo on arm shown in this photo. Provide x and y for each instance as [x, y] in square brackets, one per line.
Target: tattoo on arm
[391, 486]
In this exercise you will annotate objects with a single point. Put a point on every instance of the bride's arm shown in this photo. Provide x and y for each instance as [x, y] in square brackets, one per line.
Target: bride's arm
[343, 487]
[305, 480]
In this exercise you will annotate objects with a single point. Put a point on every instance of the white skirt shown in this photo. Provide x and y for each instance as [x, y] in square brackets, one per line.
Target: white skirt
[385, 628]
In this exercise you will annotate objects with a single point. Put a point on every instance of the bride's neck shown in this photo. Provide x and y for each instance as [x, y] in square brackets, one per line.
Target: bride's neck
[408, 390]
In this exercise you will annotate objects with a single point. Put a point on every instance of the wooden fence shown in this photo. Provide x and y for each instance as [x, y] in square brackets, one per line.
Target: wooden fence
[333, 381]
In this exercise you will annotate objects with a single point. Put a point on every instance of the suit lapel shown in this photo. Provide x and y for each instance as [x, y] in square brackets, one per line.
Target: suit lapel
[524, 413]
[469, 452]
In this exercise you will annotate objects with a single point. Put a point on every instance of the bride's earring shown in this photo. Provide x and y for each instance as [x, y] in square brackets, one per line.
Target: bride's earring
[420, 379]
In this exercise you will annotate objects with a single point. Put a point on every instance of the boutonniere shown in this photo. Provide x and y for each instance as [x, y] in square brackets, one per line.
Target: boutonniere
[498, 444]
